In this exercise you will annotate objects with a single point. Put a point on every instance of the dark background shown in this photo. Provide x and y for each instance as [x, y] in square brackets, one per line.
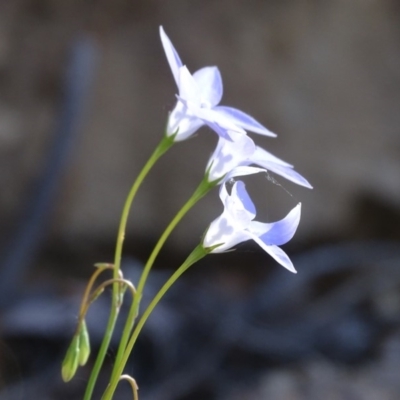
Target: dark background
[84, 94]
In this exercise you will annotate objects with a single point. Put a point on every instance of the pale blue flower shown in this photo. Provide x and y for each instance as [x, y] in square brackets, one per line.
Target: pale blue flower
[236, 224]
[198, 99]
[241, 151]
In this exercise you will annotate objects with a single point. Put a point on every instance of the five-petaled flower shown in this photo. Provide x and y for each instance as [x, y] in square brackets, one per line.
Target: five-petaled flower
[198, 99]
[236, 224]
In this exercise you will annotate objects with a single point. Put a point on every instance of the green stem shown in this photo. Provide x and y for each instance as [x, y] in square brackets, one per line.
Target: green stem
[198, 253]
[163, 146]
[101, 355]
[204, 187]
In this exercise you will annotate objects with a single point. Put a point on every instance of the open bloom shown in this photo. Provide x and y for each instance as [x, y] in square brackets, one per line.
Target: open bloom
[236, 225]
[241, 151]
[198, 99]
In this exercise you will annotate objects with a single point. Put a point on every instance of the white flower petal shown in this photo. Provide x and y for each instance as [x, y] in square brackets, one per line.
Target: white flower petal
[277, 254]
[172, 56]
[229, 154]
[244, 120]
[222, 231]
[208, 114]
[239, 207]
[181, 121]
[287, 172]
[188, 89]
[209, 81]
[223, 120]
[239, 191]
[223, 194]
[280, 232]
[261, 154]
[223, 133]
[243, 171]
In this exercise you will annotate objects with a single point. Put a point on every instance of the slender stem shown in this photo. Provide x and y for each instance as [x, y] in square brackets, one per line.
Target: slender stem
[204, 187]
[123, 282]
[133, 384]
[198, 253]
[85, 303]
[164, 145]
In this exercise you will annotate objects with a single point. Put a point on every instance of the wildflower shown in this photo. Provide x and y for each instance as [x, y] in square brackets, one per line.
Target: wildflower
[242, 151]
[236, 224]
[198, 99]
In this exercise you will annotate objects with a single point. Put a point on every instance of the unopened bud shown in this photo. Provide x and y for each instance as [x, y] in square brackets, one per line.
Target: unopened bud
[71, 360]
[84, 344]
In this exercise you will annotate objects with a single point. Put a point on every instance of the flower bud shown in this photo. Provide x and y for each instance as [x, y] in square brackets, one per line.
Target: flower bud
[71, 360]
[84, 344]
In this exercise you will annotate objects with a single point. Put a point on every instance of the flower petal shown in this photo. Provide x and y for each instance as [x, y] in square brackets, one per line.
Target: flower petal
[287, 172]
[212, 116]
[239, 208]
[239, 190]
[223, 194]
[221, 132]
[261, 154]
[173, 58]
[280, 232]
[209, 81]
[244, 120]
[277, 254]
[188, 89]
[229, 154]
[243, 170]
[182, 122]
[222, 231]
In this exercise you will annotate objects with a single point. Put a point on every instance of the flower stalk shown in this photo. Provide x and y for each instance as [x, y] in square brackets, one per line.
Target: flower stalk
[164, 145]
[204, 187]
[197, 254]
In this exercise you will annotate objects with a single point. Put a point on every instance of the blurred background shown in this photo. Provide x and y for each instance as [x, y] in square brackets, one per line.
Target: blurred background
[85, 91]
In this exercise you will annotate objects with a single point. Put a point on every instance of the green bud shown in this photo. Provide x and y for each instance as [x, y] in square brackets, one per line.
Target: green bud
[84, 344]
[71, 360]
